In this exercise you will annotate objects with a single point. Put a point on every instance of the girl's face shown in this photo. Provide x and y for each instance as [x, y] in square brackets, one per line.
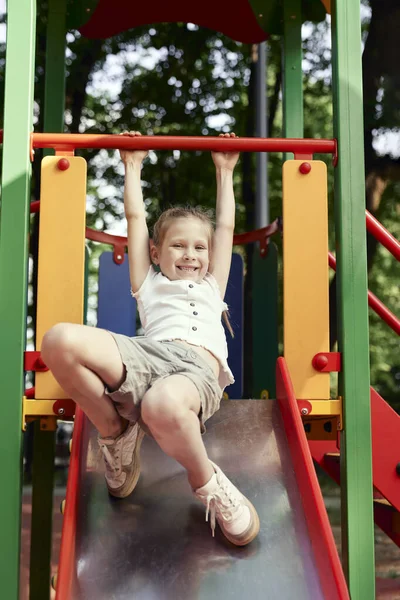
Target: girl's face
[185, 250]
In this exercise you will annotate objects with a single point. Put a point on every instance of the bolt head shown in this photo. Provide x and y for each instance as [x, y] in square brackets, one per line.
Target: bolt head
[304, 411]
[305, 168]
[320, 362]
[63, 164]
[61, 411]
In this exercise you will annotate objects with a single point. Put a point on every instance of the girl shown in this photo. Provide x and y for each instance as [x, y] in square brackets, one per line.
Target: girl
[170, 381]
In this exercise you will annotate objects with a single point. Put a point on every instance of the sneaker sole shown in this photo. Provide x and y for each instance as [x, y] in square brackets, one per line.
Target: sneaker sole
[250, 533]
[122, 492]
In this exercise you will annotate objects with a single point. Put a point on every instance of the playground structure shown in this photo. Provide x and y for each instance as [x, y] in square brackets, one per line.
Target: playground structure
[291, 507]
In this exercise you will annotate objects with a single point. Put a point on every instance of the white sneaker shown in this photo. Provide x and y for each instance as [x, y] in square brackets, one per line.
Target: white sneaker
[234, 513]
[122, 460]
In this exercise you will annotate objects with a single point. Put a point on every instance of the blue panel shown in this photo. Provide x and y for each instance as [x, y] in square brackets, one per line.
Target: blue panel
[234, 300]
[116, 307]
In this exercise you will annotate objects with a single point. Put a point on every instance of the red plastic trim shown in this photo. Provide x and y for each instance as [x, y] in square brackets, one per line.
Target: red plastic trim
[327, 362]
[241, 25]
[382, 235]
[326, 556]
[376, 305]
[34, 362]
[66, 405]
[66, 567]
[305, 407]
[302, 148]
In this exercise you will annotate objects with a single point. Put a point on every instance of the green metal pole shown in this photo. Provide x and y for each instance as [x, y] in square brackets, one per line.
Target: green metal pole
[16, 170]
[356, 447]
[44, 441]
[293, 120]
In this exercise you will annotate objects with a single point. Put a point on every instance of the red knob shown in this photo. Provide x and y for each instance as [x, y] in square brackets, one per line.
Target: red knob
[305, 168]
[320, 362]
[63, 164]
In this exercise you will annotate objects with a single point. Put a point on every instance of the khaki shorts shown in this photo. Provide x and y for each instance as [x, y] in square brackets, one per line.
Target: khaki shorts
[147, 361]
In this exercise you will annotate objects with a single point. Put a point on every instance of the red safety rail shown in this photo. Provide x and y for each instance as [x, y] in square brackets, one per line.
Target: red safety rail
[375, 304]
[382, 235]
[326, 556]
[301, 148]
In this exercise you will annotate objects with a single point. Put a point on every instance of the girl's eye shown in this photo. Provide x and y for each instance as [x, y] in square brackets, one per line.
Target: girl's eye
[177, 245]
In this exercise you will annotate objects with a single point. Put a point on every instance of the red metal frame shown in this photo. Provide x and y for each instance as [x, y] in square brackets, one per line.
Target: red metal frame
[382, 235]
[301, 148]
[66, 575]
[326, 556]
[381, 310]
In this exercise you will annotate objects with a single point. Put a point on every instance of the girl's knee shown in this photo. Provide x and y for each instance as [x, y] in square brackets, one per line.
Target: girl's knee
[58, 341]
[163, 408]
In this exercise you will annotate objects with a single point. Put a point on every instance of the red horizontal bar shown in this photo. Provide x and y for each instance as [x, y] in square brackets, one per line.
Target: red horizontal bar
[382, 235]
[68, 141]
[381, 310]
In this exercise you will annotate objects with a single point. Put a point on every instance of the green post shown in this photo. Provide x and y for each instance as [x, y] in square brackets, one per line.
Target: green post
[44, 441]
[293, 121]
[16, 170]
[356, 447]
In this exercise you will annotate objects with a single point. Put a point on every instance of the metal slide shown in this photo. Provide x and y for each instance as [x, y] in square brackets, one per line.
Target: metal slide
[156, 543]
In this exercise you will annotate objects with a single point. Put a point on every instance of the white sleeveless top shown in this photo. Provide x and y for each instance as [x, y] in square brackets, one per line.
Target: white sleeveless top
[185, 310]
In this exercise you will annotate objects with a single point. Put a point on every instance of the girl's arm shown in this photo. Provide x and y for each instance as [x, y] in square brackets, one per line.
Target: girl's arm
[221, 254]
[138, 234]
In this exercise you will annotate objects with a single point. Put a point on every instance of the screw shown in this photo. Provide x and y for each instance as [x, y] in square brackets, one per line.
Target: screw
[304, 411]
[61, 411]
[119, 257]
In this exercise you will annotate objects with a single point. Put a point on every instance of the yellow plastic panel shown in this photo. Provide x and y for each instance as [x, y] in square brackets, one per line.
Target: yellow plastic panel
[305, 276]
[61, 255]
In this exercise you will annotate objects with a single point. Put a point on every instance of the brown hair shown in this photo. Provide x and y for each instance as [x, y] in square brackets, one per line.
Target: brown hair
[180, 212]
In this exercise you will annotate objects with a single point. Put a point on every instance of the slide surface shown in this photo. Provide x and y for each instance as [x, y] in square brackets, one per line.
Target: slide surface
[156, 543]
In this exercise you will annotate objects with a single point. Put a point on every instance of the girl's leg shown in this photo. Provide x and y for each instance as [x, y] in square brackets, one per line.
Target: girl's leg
[170, 410]
[83, 359]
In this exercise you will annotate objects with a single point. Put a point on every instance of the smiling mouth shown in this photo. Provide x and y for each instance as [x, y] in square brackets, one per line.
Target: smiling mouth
[188, 269]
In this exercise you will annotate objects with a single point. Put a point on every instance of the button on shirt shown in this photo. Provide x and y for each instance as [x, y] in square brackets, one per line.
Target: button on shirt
[187, 311]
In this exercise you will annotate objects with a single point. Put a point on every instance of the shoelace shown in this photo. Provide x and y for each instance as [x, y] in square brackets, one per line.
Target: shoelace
[108, 457]
[228, 511]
